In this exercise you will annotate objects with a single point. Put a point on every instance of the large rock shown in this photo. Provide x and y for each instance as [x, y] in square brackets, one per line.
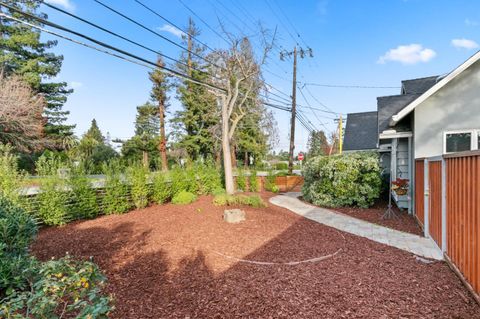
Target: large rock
[233, 215]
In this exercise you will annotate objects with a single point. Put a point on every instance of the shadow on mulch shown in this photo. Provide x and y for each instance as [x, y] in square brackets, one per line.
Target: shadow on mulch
[161, 263]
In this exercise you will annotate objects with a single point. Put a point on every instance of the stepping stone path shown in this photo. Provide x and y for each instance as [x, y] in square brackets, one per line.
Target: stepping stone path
[417, 245]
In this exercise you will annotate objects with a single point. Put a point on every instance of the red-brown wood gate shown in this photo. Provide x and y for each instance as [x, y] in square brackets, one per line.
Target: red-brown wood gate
[435, 201]
[420, 190]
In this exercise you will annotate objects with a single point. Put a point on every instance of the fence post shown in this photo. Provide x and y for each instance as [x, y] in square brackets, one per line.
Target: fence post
[426, 187]
[444, 205]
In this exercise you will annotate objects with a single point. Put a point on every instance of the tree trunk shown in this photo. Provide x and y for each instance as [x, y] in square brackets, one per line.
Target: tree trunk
[162, 146]
[227, 158]
[245, 160]
[233, 155]
[145, 159]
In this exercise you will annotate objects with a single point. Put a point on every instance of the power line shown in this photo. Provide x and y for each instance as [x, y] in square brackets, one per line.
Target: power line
[290, 22]
[350, 86]
[172, 23]
[133, 58]
[204, 22]
[119, 36]
[314, 113]
[154, 32]
[327, 109]
[145, 62]
[278, 18]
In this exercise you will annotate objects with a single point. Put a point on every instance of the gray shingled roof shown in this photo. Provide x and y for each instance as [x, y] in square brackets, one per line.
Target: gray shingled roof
[418, 86]
[390, 105]
[361, 131]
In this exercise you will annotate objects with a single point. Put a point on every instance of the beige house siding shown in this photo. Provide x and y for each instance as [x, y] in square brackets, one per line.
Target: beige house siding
[454, 107]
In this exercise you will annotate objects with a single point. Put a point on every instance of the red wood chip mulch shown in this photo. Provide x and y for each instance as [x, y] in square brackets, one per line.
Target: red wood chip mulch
[162, 262]
[404, 222]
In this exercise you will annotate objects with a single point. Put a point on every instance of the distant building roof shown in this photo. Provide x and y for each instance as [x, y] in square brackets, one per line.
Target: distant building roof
[361, 132]
[418, 86]
[387, 106]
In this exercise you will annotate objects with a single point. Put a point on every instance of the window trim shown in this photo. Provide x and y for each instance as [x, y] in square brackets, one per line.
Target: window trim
[473, 141]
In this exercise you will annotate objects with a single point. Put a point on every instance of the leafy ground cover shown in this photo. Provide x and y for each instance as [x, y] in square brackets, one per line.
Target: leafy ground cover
[178, 261]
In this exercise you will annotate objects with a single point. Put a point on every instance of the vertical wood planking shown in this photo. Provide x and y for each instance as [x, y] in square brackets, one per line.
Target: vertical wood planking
[463, 216]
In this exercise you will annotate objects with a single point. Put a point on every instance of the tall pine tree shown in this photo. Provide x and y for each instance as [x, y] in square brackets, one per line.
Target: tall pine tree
[23, 53]
[197, 118]
[160, 88]
[144, 144]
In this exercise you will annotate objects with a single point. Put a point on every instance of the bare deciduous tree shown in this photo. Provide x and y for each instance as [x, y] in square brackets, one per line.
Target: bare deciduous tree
[21, 114]
[238, 72]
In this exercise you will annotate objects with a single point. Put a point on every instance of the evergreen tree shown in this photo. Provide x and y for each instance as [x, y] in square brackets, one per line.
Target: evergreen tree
[160, 88]
[197, 118]
[147, 121]
[144, 145]
[94, 133]
[317, 144]
[93, 149]
[23, 53]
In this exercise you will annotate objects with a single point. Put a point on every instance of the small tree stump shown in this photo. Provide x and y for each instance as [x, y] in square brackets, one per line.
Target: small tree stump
[233, 215]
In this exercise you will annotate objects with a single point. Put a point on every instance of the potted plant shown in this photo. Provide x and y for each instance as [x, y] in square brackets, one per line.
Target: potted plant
[400, 186]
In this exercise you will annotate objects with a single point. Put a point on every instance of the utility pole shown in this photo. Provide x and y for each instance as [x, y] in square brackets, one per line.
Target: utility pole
[294, 113]
[302, 53]
[340, 133]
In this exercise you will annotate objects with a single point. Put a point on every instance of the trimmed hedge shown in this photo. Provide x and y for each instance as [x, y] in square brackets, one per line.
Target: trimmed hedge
[342, 180]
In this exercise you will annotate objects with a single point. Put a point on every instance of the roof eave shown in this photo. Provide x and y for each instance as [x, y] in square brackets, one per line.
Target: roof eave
[410, 107]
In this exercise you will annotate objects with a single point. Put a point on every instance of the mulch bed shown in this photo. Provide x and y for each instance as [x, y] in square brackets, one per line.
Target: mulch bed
[164, 262]
[404, 222]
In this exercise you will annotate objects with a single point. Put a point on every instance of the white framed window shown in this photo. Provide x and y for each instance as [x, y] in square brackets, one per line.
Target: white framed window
[461, 141]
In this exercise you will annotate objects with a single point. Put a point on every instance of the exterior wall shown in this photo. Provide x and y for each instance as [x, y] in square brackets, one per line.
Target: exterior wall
[454, 107]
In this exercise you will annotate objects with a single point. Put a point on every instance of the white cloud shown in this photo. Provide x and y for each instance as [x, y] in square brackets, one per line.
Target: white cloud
[408, 54]
[75, 85]
[172, 30]
[67, 4]
[471, 23]
[464, 44]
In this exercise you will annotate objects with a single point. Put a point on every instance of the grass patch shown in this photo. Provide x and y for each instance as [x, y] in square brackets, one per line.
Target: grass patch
[231, 200]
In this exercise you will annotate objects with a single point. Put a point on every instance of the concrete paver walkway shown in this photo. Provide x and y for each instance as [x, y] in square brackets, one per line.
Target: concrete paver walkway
[417, 245]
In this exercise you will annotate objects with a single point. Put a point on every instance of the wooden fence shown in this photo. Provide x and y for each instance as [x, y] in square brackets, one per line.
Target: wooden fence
[463, 215]
[447, 204]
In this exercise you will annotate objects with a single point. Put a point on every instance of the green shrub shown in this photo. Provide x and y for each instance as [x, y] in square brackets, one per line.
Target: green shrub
[183, 198]
[162, 190]
[281, 166]
[178, 180]
[83, 195]
[63, 288]
[270, 182]
[53, 196]
[241, 180]
[138, 178]
[115, 200]
[253, 181]
[208, 178]
[11, 179]
[17, 231]
[17, 228]
[342, 180]
[232, 200]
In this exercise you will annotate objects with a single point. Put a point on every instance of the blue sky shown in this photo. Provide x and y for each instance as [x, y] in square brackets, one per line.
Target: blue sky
[354, 42]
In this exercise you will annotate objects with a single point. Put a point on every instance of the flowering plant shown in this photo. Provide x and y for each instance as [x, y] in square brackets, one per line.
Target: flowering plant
[400, 186]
